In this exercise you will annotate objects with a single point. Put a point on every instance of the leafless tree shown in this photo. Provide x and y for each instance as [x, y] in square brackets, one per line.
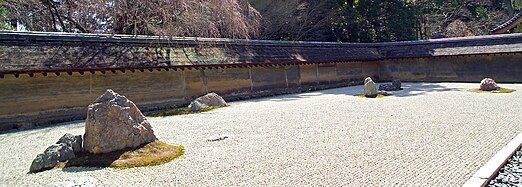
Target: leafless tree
[204, 18]
[295, 19]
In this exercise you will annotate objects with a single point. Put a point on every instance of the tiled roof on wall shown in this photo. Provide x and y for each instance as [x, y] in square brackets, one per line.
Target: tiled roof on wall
[22, 52]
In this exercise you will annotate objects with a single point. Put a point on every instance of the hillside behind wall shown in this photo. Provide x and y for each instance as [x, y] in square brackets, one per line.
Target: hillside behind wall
[49, 77]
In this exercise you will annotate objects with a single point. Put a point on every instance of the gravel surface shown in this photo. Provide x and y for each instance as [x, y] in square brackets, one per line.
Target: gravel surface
[511, 173]
[425, 135]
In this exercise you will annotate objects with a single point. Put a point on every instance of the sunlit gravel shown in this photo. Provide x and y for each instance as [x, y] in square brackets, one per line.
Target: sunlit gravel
[426, 135]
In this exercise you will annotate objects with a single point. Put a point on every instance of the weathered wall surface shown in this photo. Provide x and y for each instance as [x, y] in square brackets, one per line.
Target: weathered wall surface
[39, 100]
[472, 68]
[53, 79]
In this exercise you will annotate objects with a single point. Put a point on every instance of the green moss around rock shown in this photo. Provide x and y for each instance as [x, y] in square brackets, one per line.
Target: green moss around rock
[501, 90]
[152, 154]
[180, 111]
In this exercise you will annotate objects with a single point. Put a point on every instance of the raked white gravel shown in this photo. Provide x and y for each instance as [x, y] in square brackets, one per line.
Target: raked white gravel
[426, 135]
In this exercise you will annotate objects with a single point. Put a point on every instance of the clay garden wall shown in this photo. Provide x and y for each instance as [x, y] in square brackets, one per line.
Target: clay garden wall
[39, 100]
[51, 92]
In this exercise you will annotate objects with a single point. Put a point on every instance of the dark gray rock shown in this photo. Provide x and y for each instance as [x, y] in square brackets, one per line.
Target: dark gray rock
[397, 84]
[386, 87]
[75, 142]
[394, 86]
[40, 163]
[52, 155]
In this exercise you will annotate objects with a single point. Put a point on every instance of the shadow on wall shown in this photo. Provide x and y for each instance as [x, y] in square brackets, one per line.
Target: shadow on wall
[409, 90]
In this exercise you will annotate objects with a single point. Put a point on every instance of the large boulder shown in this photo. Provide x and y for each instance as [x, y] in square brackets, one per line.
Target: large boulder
[370, 88]
[203, 102]
[488, 84]
[52, 155]
[114, 123]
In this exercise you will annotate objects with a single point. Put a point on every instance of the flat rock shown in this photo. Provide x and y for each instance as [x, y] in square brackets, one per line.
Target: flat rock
[114, 123]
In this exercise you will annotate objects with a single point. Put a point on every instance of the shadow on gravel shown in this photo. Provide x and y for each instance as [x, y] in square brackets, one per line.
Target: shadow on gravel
[80, 169]
[415, 89]
[41, 129]
[409, 90]
[290, 97]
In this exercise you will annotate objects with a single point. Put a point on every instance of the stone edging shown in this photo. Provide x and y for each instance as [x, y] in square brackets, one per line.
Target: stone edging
[491, 168]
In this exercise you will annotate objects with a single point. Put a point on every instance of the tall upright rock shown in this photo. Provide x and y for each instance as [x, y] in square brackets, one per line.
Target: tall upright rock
[370, 88]
[115, 123]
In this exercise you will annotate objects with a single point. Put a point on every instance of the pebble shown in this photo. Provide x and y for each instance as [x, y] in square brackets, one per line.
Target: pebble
[511, 173]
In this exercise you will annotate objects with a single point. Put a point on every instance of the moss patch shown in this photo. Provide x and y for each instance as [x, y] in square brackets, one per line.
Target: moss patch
[180, 111]
[501, 90]
[151, 154]
[378, 96]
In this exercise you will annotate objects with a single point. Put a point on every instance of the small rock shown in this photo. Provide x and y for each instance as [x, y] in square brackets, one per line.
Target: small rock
[203, 102]
[370, 88]
[75, 142]
[197, 106]
[217, 138]
[52, 155]
[488, 84]
[114, 123]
